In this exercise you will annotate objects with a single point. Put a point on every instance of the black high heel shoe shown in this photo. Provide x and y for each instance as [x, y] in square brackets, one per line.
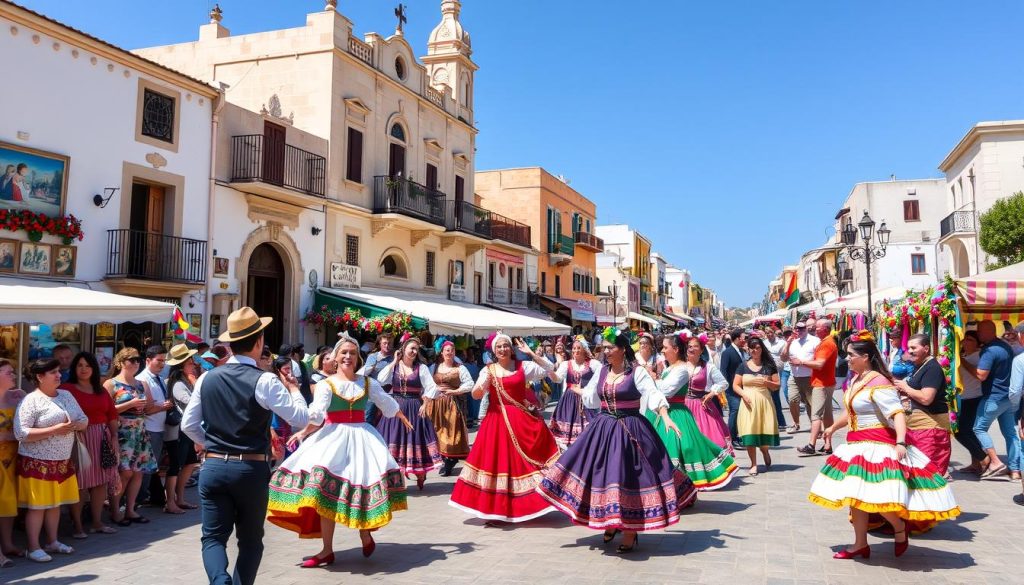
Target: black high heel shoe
[623, 549]
[610, 535]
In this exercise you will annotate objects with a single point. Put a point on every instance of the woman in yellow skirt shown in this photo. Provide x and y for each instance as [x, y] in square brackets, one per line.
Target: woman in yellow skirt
[755, 381]
[9, 399]
[45, 424]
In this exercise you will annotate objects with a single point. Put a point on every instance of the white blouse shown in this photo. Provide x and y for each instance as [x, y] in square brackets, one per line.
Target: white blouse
[562, 372]
[673, 379]
[465, 379]
[651, 397]
[39, 411]
[531, 371]
[866, 404]
[716, 383]
[348, 391]
[426, 380]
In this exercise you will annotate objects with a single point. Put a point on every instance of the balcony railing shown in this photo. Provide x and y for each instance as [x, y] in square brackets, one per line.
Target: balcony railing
[958, 221]
[646, 300]
[505, 296]
[589, 241]
[253, 159]
[153, 256]
[510, 230]
[398, 195]
[561, 244]
[361, 50]
[466, 217]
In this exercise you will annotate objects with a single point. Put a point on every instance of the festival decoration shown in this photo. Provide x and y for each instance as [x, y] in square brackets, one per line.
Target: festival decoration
[394, 323]
[67, 228]
[182, 326]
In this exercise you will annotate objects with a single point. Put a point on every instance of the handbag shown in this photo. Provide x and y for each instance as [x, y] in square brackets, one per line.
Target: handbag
[108, 459]
[173, 417]
[80, 453]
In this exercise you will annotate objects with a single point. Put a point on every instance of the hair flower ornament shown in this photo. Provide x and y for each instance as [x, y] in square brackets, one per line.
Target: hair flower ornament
[609, 334]
[863, 335]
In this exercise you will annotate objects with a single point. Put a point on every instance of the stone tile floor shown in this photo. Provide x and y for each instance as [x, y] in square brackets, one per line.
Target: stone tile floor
[757, 530]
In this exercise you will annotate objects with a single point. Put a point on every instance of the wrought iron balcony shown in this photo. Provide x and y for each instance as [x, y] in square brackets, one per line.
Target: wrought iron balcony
[510, 230]
[253, 159]
[153, 256]
[409, 198]
[958, 221]
[505, 296]
[560, 244]
[469, 218]
[589, 241]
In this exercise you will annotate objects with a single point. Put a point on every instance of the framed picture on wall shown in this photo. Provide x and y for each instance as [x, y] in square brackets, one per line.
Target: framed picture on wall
[64, 260]
[195, 323]
[105, 357]
[8, 255]
[104, 332]
[32, 179]
[34, 258]
[214, 325]
[220, 266]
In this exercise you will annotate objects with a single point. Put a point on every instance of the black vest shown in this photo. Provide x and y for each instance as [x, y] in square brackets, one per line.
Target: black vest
[232, 419]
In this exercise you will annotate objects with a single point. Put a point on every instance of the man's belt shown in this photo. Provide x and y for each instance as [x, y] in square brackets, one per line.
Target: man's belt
[237, 456]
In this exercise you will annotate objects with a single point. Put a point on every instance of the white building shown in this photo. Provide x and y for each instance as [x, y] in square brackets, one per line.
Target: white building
[396, 209]
[627, 258]
[124, 145]
[678, 280]
[984, 167]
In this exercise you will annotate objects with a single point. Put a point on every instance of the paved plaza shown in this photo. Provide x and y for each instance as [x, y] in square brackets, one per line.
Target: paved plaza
[757, 530]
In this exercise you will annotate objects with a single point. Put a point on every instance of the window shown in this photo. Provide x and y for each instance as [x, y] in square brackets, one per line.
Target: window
[575, 282]
[911, 210]
[393, 265]
[352, 250]
[460, 188]
[519, 279]
[917, 265]
[576, 222]
[432, 177]
[354, 171]
[398, 132]
[431, 261]
[157, 116]
[400, 67]
[543, 283]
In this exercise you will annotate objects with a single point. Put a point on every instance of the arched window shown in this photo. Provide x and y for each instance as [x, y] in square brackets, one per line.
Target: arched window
[398, 132]
[394, 266]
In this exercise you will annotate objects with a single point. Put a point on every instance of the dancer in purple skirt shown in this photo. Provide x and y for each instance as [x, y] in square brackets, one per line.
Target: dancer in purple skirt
[570, 417]
[411, 384]
[617, 475]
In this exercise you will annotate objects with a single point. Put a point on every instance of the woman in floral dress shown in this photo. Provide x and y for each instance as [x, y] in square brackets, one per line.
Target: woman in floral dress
[131, 397]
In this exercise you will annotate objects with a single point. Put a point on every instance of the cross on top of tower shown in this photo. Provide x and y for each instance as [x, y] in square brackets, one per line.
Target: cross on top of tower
[400, 14]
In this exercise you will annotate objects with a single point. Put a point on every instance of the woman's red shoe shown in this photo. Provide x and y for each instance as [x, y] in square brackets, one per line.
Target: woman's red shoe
[901, 547]
[369, 547]
[316, 561]
[852, 554]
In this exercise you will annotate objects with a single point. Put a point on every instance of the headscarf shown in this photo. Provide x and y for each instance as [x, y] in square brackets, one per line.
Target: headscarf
[495, 338]
[582, 340]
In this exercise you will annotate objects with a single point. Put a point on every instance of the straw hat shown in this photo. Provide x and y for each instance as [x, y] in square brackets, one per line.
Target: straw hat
[179, 353]
[244, 323]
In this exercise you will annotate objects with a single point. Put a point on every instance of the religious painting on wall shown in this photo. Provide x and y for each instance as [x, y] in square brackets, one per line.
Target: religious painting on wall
[34, 258]
[8, 255]
[9, 344]
[195, 324]
[64, 261]
[33, 180]
[220, 266]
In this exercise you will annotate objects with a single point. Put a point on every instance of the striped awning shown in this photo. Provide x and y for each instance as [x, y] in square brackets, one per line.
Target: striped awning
[998, 300]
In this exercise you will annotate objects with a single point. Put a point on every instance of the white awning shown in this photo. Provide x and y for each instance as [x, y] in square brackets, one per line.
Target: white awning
[65, 304]
[644, 318]
[858, 300]
[445, 317]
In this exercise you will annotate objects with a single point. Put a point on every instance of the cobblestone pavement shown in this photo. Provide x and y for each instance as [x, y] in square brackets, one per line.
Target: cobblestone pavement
[757, 530]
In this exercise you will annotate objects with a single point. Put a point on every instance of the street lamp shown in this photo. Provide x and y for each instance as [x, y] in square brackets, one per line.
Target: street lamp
[614, 290]
[865, 251]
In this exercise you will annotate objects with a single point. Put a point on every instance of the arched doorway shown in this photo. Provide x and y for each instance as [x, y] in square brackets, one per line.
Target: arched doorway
[265, 291]
[963, 262]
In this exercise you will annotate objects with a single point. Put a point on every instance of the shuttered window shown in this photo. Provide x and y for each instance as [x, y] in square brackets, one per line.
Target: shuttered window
[911, 210]
[354, 170]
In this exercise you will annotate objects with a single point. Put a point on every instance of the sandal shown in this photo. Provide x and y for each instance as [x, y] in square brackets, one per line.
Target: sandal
[79, 535]
[58, 547]
[138, 520]
[125, 522]
[609, 535]
[103, 530]
[792, 429]
[167, 511]
[753, 471]
[998, 471]
[6, 563]
[623, 549]
[14, 552]
[187, 506]
[39, 556]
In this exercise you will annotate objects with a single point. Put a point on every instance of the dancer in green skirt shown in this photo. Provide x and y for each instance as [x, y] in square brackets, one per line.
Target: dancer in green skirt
[709, 466]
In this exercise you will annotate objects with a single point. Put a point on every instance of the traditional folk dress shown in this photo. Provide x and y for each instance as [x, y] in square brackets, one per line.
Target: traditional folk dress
[704, 380]
[570, 417]
[444, 412]
[709, 466]
[416, 450]
[499, 478]
[757, 424]
[45, 473]
[617, 474]
[8, 454]
[865, 472]
[342, 472]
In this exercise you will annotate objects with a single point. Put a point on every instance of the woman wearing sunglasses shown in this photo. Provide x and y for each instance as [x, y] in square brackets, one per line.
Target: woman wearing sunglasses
[131, 397]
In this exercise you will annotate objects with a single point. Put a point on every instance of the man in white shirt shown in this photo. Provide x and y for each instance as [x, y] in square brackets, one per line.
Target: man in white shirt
[775, 345]
[799, 348]
[156, 416]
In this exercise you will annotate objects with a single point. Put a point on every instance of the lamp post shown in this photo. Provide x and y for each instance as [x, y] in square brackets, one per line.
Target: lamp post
[865, 251]
[614, 290]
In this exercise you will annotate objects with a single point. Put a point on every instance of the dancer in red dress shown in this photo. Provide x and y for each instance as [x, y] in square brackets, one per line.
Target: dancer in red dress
[500, 476]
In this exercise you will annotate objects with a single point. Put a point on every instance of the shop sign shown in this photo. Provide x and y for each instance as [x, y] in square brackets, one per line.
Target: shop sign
[583, 311]
[345, 276]
[457, 292]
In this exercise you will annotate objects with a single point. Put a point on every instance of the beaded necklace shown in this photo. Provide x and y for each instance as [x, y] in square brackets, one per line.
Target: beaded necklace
[578, 374]
[403, 382]
[608, 390]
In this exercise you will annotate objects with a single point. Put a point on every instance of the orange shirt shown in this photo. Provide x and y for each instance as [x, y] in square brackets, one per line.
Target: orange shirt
[826, 376]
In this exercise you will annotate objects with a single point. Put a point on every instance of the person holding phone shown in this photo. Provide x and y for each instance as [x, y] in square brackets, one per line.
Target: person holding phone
[132, 399]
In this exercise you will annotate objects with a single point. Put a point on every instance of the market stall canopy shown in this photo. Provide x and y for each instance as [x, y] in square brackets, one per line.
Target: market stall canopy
[644, 318]
[858, 300]
[997, 295]
[776, 315]
[65, 304]
[683, 317]
[439, 315]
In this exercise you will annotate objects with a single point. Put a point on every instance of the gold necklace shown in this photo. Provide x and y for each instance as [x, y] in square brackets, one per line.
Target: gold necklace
[609, 390]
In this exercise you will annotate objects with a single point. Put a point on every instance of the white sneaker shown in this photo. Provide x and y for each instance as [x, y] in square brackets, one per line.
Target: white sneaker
[39, 556]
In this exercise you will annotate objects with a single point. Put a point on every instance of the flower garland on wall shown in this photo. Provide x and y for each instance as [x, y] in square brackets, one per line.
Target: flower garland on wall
[935, 305]
[67, 228]
[394, 323]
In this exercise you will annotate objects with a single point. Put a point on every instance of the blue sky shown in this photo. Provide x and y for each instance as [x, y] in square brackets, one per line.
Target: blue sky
[728, 132]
